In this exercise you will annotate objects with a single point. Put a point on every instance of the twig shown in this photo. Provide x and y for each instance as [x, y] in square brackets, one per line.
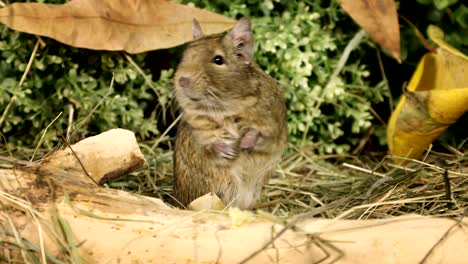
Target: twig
[402, 201]
[423, 163]
[23, 78]
[419, 36]
[7, 108]
[2, 4]
[379, 118]
[427, 152]
[384, 77]
[290, 225]
[448, 190]
[16, 161]
[462, 143]
[95, 108]
[363, 141]
[454, 150]
[71, 111]
[273, 244]
[322, 243]
[351, 166]
[156, 143]
[444, 236]
[377, 184]
[41, 236]
[41, 41]
[401, 167]
[269, 243]
[28, 67]
[17, 237]
[5, 141]
[43, 135]
[341, 63]
[311, 239]
[67, 144]
[140, 71]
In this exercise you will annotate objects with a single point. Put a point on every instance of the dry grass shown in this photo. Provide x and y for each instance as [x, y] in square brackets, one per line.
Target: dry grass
[366, 187]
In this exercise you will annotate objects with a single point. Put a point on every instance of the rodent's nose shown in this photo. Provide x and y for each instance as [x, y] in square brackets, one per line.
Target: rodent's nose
[184, 82]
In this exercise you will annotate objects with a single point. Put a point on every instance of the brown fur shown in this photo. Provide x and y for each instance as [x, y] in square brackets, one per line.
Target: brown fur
[233, 131]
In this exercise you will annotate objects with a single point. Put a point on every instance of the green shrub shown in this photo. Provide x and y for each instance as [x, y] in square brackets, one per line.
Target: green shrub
[61, 76]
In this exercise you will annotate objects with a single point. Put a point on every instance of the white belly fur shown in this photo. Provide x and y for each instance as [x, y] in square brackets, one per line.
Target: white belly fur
[249, 176]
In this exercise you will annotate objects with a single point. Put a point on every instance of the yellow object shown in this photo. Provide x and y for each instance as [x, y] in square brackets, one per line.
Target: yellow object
[209, 201]
[437, 95]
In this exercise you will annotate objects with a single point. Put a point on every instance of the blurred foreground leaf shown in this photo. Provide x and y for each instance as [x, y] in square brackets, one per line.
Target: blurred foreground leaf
[133, 26]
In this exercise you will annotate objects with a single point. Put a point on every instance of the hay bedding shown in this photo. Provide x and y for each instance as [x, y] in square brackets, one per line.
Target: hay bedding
[367, 187]
[436, 186]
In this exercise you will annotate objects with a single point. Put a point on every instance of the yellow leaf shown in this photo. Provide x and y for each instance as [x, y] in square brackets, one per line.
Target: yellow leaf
[446, 106]
[133, 26]
[437, 35]
[436, 97]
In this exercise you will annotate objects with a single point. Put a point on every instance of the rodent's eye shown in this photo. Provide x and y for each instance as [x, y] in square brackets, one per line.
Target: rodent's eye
[218, 60]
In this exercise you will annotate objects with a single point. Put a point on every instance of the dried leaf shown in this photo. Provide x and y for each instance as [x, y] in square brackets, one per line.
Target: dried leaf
[209, 201]
[379, 19]
[437, 96]
[131, 25]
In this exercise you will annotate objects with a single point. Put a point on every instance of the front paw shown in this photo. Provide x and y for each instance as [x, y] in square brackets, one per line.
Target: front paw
[249, 140]
[225, 149]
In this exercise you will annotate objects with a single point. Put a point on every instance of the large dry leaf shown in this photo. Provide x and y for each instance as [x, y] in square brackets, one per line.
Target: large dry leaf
[131, 25]
[379, 19]
[436, 97]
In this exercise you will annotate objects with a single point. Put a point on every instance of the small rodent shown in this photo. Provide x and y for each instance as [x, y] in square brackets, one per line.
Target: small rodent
[233, 128]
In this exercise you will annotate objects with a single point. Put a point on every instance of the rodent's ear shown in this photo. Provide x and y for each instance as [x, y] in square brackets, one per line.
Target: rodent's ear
[242, 38]
[196, 29]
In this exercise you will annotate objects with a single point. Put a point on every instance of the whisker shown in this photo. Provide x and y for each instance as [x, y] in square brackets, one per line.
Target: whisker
[216, 98]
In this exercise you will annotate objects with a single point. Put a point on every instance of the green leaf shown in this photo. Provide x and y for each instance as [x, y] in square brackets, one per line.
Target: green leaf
[461, 16]
[442, 4]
